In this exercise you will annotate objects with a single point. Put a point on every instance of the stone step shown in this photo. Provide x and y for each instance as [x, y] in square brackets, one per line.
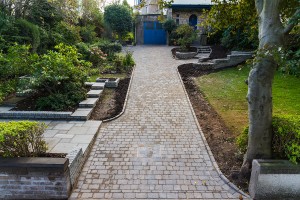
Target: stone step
[82, 114]
[88, 103]
[94, 93]
[89, 84]
[98, 86]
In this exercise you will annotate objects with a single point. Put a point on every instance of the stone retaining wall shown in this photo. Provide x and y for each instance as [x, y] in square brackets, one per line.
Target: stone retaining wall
[34, 178]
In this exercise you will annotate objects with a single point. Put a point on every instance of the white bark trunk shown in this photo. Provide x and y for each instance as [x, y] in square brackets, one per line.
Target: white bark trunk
[260, 82]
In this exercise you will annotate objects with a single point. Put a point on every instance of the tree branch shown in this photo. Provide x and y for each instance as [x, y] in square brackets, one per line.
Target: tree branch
[259, 4]
[292, 22]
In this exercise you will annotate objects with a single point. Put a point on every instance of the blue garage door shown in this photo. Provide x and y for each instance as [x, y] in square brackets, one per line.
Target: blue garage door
[154, 33]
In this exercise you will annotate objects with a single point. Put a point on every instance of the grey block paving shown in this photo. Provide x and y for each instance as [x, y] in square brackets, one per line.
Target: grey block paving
[155, 149]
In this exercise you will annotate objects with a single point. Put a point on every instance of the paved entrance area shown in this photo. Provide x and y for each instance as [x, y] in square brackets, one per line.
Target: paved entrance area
[155, 149]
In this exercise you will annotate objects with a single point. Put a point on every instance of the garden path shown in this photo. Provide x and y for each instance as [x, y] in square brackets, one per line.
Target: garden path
[155, 150]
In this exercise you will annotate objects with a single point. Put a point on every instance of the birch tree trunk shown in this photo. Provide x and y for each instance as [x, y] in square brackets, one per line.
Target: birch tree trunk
[271, 36]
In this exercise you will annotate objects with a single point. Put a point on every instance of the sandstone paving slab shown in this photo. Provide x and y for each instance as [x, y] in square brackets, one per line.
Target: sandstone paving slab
[94, 93]
[155, 150]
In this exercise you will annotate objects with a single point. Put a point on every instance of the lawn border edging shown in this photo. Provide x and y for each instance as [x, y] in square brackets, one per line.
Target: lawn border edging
[210, 154]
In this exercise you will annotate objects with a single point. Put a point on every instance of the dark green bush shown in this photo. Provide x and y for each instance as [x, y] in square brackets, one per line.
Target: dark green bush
[169, 25]
[88, 34]
[66, 33]
[61, 72]
[109, 47]
[22, 139]
[84, 50]
[286, 138]
[186, 35]
[28, 34]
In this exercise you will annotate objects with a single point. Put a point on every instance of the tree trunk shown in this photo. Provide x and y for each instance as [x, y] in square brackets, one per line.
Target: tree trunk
[260, 83]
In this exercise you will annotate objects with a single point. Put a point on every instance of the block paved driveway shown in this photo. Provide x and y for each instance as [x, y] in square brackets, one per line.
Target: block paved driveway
[154, 150]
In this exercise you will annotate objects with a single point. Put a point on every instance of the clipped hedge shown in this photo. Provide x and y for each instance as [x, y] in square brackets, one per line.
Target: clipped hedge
[285, 141]
[22, 139]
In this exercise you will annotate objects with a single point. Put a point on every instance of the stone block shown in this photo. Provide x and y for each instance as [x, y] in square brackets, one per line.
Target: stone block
[82, 114]
[88, 103]
[94, 93]
[274, 179]
[98, 86]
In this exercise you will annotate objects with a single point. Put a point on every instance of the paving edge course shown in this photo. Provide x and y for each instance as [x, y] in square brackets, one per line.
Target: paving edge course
[210, 154]
[125, 102]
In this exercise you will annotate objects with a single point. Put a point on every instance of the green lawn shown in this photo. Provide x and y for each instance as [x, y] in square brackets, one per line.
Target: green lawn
[226, 91]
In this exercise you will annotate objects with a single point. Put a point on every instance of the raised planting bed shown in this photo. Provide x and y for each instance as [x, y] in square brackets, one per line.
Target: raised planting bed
[109, 82]
[183, 55]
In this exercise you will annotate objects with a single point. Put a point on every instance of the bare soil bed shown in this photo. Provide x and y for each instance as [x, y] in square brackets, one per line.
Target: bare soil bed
[112, 101]
[218, 136]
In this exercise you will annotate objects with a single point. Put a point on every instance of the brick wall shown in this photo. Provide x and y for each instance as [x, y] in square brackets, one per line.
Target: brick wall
[34, 178]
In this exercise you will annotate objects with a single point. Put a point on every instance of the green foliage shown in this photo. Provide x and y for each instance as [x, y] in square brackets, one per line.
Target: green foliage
[16, 62]
[169, 25]
[22, 139]
[286, 139]
[97, 56]
[242, 140]
[128, 62]
[66, 33]
[7, 87]
[108, 47]
[84, 50]
[119, 18]
[233, 38]
[28, 33]
[44, 14]
[61, 72]
[186, 35]
[88, 34]
[237, 20]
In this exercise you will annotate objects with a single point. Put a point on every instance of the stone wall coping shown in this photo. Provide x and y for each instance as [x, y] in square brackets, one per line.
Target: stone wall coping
[35, 162]
[277, 166]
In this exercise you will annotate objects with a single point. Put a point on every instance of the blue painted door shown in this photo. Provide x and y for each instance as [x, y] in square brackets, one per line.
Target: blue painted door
[154, 33]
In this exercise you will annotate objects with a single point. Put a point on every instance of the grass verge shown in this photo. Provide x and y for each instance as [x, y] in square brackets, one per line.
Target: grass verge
[226, 91]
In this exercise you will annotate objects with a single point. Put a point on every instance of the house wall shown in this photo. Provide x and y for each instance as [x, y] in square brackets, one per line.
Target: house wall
[151, 7]
[184, 17]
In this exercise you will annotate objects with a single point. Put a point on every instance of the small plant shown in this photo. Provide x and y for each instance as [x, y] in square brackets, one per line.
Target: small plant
[128, 62]
[169, 25]
[286, 138]
[22, 139]
[186, 35]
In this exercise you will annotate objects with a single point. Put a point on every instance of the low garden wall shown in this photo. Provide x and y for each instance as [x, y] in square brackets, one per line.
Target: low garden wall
[34, 178]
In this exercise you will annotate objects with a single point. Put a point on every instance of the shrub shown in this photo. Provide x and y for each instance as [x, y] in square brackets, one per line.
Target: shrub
[7, 87]
[186, 35]
[61, 72]
[286, 138]
[128, 62]
[84, 50]
[88, 33]
[169, 25]
[16, 62]
[66, 33]
[22, 139]
[97, 56]
[109, 48]
[28, 34]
